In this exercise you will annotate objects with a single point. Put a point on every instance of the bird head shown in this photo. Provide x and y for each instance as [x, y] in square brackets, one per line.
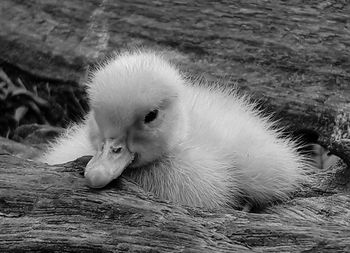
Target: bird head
[136, 114]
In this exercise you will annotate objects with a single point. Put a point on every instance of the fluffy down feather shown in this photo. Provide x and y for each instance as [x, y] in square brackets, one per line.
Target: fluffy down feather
[206, 147]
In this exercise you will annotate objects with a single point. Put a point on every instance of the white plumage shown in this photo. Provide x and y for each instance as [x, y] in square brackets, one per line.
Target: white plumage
[184, 142]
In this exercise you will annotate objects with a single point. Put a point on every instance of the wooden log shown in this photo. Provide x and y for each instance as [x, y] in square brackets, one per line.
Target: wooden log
[292, 55]
[49, 208]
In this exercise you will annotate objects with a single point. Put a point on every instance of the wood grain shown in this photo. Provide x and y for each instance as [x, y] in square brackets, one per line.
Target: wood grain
[49, 208]
[293, 56]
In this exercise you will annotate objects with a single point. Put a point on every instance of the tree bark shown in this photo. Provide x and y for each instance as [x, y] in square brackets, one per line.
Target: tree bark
[294, 56]
[49, 208]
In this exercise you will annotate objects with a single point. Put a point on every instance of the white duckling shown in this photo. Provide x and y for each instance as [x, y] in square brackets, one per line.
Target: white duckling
[188, 143]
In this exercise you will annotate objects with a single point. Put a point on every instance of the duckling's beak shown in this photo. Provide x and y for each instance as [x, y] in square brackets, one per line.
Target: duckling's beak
[108, 163]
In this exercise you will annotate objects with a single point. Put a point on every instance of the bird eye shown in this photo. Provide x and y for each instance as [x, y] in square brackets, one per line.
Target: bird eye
[152, 115]
[116, 150]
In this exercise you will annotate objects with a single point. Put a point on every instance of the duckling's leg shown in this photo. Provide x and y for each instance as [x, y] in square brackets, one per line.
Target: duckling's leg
[319, 156]
[247, 207]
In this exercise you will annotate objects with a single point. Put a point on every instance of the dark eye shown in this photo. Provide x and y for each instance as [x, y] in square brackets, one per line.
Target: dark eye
[152, 115]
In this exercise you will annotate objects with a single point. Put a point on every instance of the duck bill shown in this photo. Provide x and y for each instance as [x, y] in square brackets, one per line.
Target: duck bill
[107, 164]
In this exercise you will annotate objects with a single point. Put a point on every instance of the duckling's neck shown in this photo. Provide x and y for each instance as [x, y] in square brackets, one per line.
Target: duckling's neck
[180, 125]
[188, 175]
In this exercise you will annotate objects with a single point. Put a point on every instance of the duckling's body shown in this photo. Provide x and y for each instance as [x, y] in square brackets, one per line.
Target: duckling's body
[201, 146]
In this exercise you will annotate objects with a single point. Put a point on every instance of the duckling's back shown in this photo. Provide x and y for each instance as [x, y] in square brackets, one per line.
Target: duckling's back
[266, 167]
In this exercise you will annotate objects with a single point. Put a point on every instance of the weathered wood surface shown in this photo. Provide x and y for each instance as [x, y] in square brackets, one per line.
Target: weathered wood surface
[50, 208]
[293, 55]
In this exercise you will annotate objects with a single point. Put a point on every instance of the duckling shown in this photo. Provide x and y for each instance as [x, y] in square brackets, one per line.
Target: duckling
[185, 142]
